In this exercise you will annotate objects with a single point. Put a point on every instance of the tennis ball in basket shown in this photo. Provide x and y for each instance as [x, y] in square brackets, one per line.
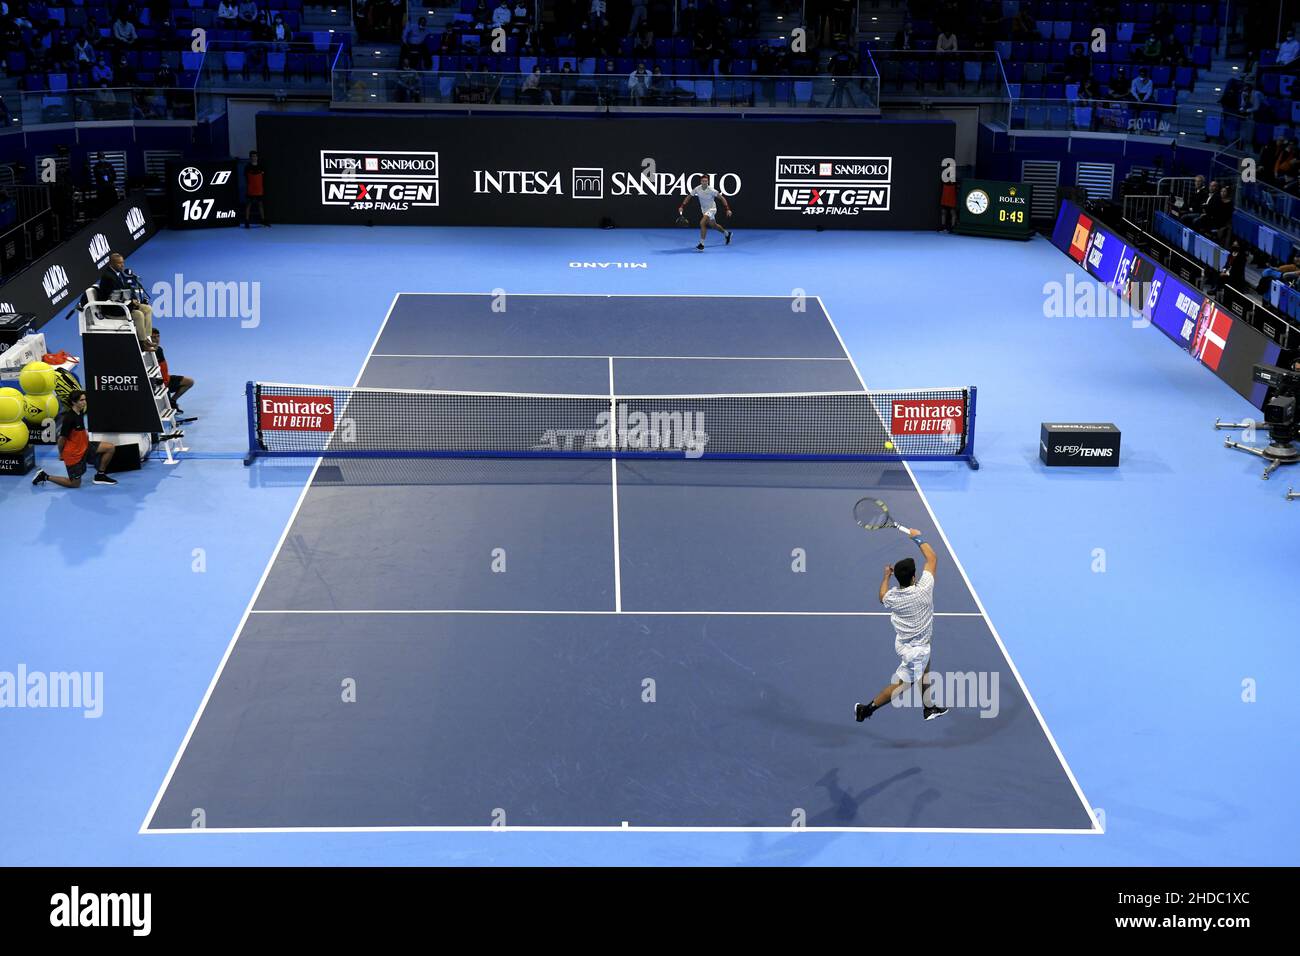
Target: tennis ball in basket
[37, 378]
[13, 437]
[37, 408]
[11, 405]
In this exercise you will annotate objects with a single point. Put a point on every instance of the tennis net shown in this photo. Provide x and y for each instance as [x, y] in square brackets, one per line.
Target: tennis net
[924, 424]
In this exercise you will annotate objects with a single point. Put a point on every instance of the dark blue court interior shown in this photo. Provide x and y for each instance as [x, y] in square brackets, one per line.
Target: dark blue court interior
[520, 693]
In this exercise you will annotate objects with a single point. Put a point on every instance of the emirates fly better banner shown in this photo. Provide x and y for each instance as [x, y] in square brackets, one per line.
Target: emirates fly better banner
[563, 171]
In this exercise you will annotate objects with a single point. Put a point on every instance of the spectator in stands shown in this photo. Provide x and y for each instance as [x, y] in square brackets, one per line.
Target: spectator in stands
[1078, 64]
[1198, 205]
[83, 53]
[639, 15]
[1286, 166]
[568, 84]
[248, 13]
[1024, 26]
[1288, 272]
[227, 14]
[843, 67]
[531, 92]
[1194, 203]
[177, 385]
[644, 47]
[117, 285]
[407, 87]
[76, 448]
[1268, 159]
[164, 77]
[414, 40]
[1217, 220]
[1153, 49]
[1088, 91]
[280, 34]
[124, 32]
[947, 42]
[102, 74]
[638, 84]
[903, 38]
[1289, 49]
[521, 16]
[501, 15]
[1141, 89]
[1118, 88]
[1250, 102]
[1233, 272]
[255, 187]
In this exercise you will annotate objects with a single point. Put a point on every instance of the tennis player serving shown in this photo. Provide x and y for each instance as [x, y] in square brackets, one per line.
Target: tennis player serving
[911, 611]
[708, 198]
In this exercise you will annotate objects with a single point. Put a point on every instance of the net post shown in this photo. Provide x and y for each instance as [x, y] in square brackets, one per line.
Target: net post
[250, 397]
[971, 460]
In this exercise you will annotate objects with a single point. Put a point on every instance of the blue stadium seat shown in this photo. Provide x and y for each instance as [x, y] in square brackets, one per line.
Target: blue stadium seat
[1045, 28]
[1124, 32]
[1201, 56]
[1162, 75]
[1204, 13]
[1063, 29]
[1185, 77]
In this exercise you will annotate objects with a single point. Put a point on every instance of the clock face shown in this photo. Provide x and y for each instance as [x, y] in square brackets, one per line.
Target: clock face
[977, 200]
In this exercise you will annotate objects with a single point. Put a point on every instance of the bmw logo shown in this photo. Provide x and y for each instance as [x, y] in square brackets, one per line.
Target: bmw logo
[191, 179]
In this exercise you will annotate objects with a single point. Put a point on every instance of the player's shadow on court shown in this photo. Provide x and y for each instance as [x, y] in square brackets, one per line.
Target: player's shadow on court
[845, 807]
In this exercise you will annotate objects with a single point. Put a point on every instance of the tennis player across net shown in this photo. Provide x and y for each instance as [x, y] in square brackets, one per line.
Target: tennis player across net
[315, 420]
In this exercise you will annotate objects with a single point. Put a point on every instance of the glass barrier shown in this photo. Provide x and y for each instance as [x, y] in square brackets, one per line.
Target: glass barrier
[1200, 123]
[300, 67]
[105, 104]
[589, 90]
[961, 73]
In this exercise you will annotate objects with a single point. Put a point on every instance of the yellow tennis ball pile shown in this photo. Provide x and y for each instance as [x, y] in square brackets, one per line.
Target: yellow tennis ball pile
[13, 432]
[39, 403]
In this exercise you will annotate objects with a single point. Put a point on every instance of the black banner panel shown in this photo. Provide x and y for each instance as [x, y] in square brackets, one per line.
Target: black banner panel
[52, 285]
[558, 171]
[119, 395]
[201, 195]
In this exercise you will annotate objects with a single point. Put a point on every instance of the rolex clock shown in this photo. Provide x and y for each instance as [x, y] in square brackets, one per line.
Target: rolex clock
[989, 208]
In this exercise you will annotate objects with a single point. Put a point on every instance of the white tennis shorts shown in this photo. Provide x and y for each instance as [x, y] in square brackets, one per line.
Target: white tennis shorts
[711, 213]
[914, 660]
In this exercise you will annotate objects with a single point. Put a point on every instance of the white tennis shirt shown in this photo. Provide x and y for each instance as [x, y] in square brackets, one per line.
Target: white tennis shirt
[911, 611]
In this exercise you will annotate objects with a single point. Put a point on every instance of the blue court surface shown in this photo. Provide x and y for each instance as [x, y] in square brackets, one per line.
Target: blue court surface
[380, 660]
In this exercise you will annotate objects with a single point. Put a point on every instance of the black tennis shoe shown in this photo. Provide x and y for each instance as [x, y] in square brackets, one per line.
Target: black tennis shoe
[728, 237]
[41, 478]
[932, 712]
[700, 247]
[861, 712]
[103, 479]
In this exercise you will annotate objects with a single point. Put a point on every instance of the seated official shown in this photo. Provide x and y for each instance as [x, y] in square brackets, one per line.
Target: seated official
[120, 284]
[177, 385]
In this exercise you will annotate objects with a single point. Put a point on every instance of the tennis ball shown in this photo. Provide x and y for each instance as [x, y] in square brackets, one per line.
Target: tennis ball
[13, 437]
[37, 378]
[11, 406]
[889, 445]
[37, 408]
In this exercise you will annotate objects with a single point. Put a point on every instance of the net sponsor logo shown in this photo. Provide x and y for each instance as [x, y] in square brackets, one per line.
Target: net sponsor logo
[98, 249]
[135, 222]
[927, 417]
[517, 182]
[55, 284]
[379, 181]
[588, 182]
[671, 184]
[190, 179]
[53, 690]
[307, 413]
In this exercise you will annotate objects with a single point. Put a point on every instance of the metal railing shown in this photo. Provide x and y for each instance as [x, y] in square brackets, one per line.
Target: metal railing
[1141, 210]
[360, 87]
[1118, 115]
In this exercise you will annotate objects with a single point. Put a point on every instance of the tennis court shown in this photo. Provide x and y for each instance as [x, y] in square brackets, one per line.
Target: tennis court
[604, 643]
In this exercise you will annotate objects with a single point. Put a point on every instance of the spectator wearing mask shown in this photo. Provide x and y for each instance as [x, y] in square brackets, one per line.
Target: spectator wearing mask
[1078, 65]
[1141, 89]
[102, 74]
[227, 13]
[947, 42]
[83, 53]
[638, 84]
[501, 15]
[1233, 272]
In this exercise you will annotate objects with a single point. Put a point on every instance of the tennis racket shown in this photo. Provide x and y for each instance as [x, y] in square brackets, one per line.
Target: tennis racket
[682, 220]
[872, 514]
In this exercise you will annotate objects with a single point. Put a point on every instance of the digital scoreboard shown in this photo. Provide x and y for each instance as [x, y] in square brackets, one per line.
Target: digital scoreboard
[987, 207]
[202, 194]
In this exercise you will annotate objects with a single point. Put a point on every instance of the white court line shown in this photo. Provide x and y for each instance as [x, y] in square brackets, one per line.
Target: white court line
[399, 611]
[683, 358]
[207, 695]
[978, 603]
[144, 828]
[619, 829]
[613, 490]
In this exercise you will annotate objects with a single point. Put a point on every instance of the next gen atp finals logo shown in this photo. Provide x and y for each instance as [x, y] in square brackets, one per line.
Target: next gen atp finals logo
[833, 185]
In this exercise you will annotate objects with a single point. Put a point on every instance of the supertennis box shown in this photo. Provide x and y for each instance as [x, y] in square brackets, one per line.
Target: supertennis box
[1088, 444]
